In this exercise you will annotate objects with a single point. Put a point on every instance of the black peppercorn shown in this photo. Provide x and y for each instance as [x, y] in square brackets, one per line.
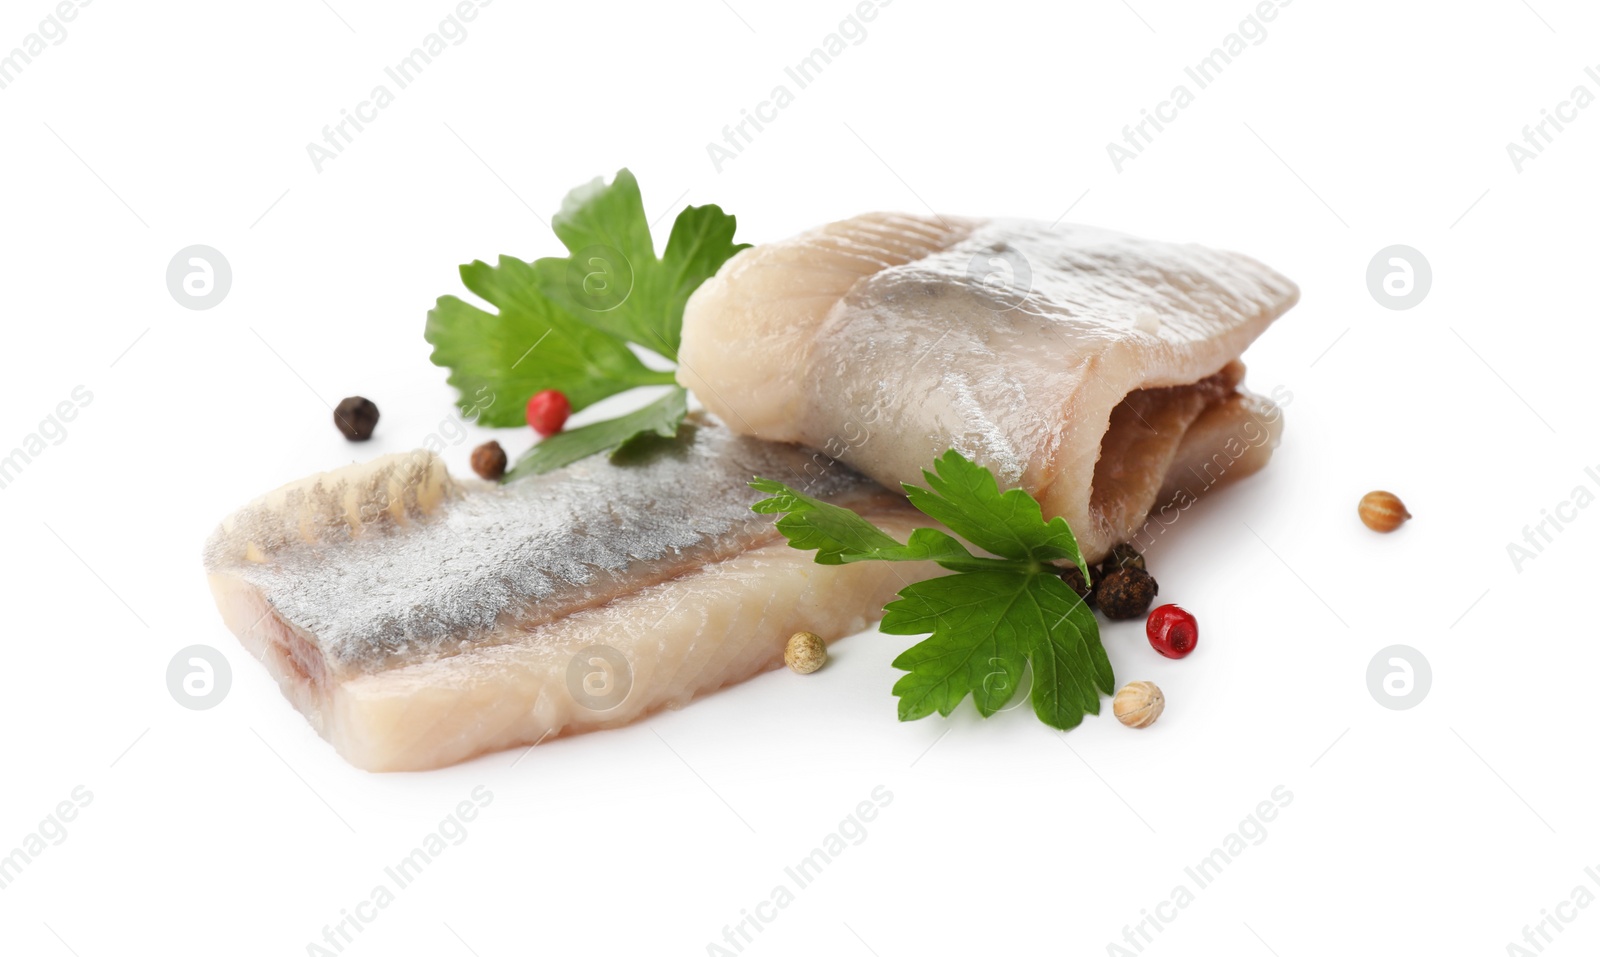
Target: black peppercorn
[356, 417]
[1074, 579]
[1125, 593]
[1122, 556]
[489, 461]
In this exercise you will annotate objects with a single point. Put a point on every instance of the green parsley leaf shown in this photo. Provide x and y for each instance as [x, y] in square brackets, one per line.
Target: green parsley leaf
[841, 536]
[597, 214]
[612, 279]
[993, 616]
[566, 323]
[700, 242]
[660, 417]
[965, 497]
[984, 625]
[529, 345]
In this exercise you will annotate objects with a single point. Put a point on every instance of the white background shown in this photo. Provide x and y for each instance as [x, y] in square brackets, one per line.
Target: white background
[1351, 127]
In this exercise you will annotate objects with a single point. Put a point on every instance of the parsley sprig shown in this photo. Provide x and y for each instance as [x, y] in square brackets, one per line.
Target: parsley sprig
[577, 323]
[994, 615]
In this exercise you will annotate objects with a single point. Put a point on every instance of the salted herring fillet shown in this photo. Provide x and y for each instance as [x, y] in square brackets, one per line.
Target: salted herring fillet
[418, 621]
[1071, 361]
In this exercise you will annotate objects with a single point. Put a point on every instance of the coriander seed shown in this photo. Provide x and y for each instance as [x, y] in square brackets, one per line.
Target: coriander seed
[1139, 704]
[805, 652]
[1383, 511]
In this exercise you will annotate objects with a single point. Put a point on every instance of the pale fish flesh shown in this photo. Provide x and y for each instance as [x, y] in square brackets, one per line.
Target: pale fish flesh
[418, 621]
[1071, 361]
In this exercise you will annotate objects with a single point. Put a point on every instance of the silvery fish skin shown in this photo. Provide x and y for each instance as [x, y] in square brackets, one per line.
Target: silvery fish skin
[418, 621]
[1034, 349]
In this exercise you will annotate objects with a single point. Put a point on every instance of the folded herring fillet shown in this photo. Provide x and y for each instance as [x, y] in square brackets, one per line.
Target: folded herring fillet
[1072, 361]
[417, 621]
